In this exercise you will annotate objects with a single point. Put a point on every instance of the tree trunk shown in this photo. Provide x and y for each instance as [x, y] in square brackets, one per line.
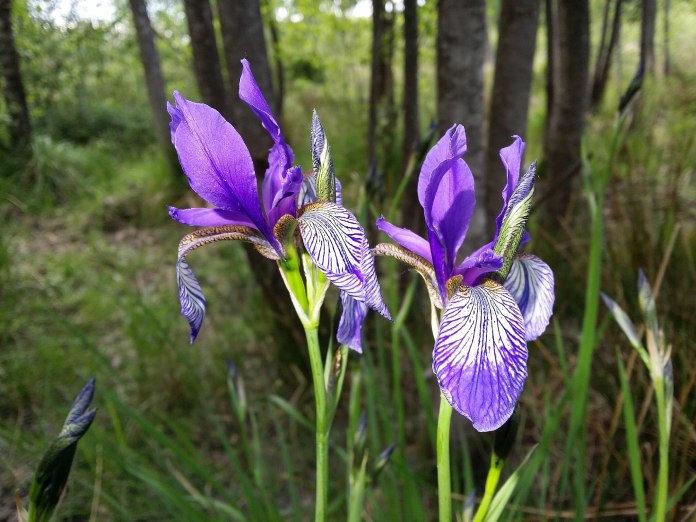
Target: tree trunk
[206, 60]
[15, 98]
[601, 74]
[665, 21]
[243, 37]
[381, 112]
[412, 215]
[411, 124]
[153, 78]
[571, 50]
[647, 35]
[517, 28]
[461, 47]
[550, 19]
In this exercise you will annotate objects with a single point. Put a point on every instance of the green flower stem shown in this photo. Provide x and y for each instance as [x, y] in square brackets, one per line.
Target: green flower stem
[661, 490]
[444, 488]
[322, 423]
[491, 484]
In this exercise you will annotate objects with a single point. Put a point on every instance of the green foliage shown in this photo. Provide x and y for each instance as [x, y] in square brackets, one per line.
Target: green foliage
[87, 287]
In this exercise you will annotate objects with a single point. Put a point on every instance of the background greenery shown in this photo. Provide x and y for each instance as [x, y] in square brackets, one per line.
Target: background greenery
[87, 287]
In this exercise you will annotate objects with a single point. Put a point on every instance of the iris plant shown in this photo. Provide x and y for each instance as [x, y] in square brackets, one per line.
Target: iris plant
[292, 210]
[493, 301]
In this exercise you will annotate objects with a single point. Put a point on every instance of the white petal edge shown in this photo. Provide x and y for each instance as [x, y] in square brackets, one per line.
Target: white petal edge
[480, 355]
[530, 282]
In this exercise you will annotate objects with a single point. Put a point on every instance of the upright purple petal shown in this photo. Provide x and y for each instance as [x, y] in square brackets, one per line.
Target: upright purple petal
[209, 217]
[447, 195]
[451, 145]
[407, 239]
[480, 354]
[250, 93]
[352, 319]
[338, 246]
[285, 200]
[216, 160]
[281, 155]
[511, 156]
[530, 282]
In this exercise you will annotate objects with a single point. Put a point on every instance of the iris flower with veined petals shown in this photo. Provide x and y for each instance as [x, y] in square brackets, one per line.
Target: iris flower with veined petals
[493, 303]
[219, 168]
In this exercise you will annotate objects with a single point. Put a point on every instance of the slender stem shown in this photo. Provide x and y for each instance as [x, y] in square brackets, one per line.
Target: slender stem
[444, 488]
[322, 423]
[491, 484]
[663, 470]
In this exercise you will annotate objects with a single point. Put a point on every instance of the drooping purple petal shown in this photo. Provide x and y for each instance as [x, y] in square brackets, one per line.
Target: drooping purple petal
[407, 239]
[216, 160]
[480, 354]
[338, 246]
[350, 326]
[209, 217]
[530, 282]
[446, 191]
[191, 297]
[285, 198]
[190, 294]
[481, 262]
[511, 156]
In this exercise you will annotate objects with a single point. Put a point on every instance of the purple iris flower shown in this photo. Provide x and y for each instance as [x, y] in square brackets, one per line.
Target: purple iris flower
[493, 301]
[219, 169]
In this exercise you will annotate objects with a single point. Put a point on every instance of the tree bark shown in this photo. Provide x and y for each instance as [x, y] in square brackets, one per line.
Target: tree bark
[412, 214]
[381, 111]
[647, 35]
[550, 20]
[571, 50]
[461, 47]
[601, 74]
[153, 78]
[15, 98]
[411, 121]
[243, 37]
[206, 60]
[517, 29]
[665, 21]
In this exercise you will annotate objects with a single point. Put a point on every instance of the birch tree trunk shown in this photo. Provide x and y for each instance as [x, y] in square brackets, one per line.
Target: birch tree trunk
[461, 47]
[517, 30]
[571, 53]
[153, 78]
[206, 60]
[15, 98]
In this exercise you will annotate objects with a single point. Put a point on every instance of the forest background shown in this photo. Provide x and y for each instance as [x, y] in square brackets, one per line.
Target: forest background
[87, 249]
